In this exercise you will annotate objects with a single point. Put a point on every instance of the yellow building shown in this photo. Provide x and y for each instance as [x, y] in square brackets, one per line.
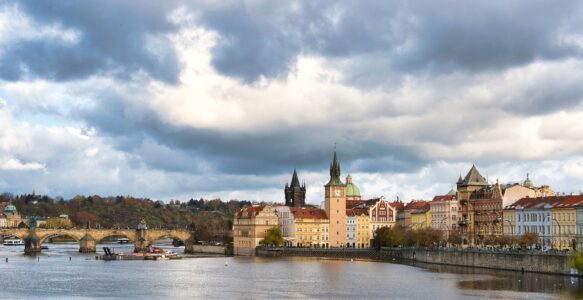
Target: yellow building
[564, 225]
[363, 236]
[311, 227]
[509, 220]
[421, 218]
[249, 227]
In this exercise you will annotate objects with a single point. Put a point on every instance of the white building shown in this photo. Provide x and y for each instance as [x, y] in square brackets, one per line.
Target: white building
[286, 223]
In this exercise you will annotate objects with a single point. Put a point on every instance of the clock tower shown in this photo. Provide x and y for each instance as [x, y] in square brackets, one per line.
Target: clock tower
[335, 202]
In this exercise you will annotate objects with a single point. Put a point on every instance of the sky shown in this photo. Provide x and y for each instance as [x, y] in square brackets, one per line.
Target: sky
[180, 99]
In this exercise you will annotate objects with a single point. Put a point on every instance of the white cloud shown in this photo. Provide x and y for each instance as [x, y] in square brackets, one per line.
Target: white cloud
[16, 165]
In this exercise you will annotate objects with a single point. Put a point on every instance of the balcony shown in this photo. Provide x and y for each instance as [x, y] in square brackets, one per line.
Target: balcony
[463, 222]
[464, 202]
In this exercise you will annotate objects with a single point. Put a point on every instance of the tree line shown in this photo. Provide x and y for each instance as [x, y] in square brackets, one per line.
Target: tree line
[211, 218]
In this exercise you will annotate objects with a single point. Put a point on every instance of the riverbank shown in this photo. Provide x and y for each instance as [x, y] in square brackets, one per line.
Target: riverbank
[559, 264]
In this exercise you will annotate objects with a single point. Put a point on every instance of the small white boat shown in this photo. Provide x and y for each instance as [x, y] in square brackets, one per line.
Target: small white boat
[13, 242]
[123, 241]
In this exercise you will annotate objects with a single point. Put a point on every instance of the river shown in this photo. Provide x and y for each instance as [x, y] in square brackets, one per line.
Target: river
[52, 275]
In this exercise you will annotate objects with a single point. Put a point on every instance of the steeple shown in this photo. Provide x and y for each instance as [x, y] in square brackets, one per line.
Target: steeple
[295, 181]
[335, 171]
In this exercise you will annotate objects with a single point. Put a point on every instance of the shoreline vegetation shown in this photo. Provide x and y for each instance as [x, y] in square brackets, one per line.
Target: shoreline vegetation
[211, 219]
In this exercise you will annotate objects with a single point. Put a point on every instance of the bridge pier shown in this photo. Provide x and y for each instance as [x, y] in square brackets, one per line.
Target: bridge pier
[142, 242]
[87, 244]
[32, 244]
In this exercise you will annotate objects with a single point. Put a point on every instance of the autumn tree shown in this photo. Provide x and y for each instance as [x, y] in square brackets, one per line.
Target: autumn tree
[272, 237]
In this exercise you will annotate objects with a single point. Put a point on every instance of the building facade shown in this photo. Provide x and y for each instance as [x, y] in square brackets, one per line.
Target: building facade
[311, 227]
[444, 211]
[286, 224]
[249, 227]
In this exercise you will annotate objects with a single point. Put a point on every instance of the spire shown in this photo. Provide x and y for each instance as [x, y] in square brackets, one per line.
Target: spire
[497, 193]
[474, 177]
[295, 181]
[335, 171]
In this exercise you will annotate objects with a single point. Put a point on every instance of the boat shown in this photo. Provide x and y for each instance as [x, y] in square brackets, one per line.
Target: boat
[43, 247]
[123, 241]
[13, 242]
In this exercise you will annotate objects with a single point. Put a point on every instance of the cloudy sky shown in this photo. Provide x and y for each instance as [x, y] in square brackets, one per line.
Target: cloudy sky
[225, 98]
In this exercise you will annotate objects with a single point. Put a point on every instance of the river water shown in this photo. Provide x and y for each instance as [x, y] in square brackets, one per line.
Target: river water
[53, 276]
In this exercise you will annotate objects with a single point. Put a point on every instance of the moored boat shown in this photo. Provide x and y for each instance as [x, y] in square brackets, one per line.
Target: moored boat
[13, 242]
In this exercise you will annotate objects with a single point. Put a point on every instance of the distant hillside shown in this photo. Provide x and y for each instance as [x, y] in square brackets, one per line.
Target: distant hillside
[212, 218]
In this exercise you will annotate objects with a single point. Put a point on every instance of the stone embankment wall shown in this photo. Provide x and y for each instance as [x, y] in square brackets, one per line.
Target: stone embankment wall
[195, 248]
[528, 262]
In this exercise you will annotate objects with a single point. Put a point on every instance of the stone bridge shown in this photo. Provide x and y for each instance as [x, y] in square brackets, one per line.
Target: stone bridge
[89, 238]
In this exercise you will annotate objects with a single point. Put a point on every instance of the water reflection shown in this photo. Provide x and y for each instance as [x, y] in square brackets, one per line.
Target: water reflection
[57, 277]
[512, 281]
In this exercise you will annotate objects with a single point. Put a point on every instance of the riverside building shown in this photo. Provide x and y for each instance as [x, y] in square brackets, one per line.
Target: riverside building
[249, 227]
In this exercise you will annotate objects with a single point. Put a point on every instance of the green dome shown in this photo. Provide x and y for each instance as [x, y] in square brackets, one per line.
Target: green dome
[10, 209]
[528, 183]
[351, 188]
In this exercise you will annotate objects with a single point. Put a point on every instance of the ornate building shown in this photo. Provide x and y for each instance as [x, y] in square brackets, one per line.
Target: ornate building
[249, 227]
[295, 194]
[480, 206]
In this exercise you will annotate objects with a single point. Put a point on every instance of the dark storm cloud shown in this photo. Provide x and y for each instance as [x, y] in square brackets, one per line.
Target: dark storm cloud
[264, 38]
[192, 149]
[402, 36]
[113, 40]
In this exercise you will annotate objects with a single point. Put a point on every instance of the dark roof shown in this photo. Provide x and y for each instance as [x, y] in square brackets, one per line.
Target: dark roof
[474, 177]
[335, 172]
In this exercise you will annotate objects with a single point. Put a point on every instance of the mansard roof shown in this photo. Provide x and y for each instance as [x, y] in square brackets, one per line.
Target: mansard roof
[552, 202]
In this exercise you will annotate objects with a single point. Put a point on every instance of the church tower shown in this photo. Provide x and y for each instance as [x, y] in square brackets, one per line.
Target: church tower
[295, 194]
[335, 203]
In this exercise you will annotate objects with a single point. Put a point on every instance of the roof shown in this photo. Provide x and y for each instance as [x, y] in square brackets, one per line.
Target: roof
[308, 213]
[351, 188]
[474, 177]
[10, 208]
[447, 197]
[398, 205]
[352, 203]
[527, 182]
[417, 204]
[249, 211]
[357, 212]
[335, 172]
[548, 202]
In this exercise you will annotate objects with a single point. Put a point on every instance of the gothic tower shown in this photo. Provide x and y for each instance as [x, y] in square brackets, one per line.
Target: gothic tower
[335, 203]
[295, 194]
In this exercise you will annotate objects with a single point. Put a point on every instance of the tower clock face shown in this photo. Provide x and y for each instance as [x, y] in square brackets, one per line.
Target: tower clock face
[337, 192]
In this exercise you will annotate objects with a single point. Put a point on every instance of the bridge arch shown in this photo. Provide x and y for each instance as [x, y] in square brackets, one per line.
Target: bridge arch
[50, 235]
[155, 235]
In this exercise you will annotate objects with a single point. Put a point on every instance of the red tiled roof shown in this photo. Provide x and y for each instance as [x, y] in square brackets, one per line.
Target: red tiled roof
[308, 213]
[352, 203]
[357, 212]
[553, 201]
[443, 198]
[249, 211]
[417, 204]
[398, 205]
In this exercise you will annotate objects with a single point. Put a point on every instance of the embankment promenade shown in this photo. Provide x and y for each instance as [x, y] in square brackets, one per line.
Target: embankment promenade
[502, 260]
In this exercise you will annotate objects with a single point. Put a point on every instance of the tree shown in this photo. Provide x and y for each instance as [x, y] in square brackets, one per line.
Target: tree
[272, 236]
[455, 238]
[528, 239]
[389, 237]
